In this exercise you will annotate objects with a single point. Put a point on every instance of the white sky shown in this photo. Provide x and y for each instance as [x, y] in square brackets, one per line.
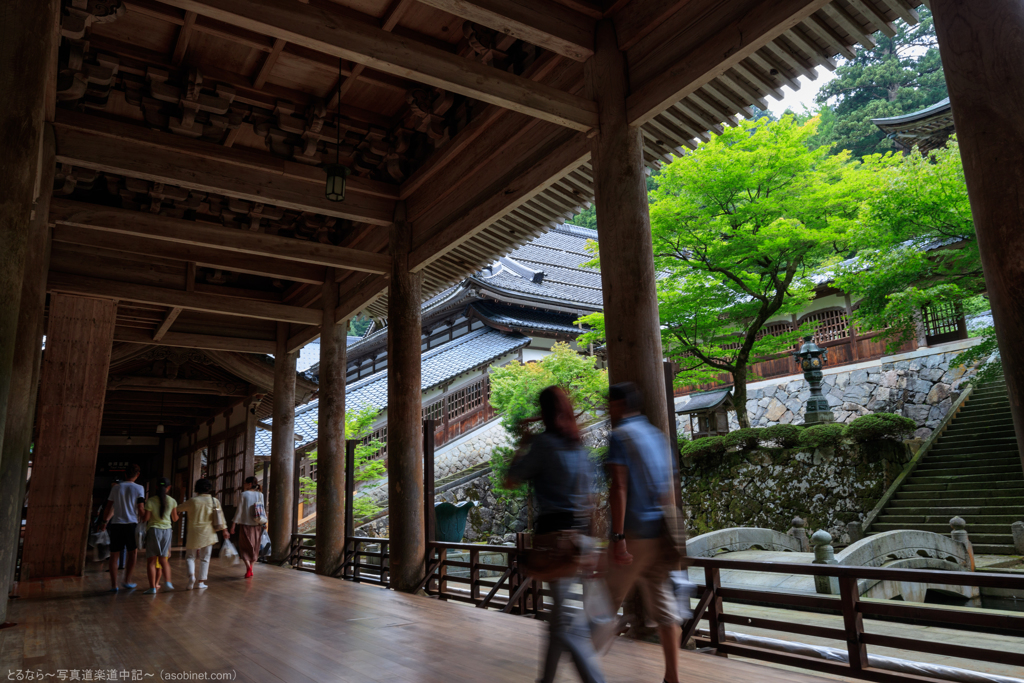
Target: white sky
[804, 97]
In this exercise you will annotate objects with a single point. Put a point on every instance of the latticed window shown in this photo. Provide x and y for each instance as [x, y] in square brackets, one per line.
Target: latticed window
[941, 319]
[832, 325]
[380, 435]
[774, 329]
[465, 400]
[434, 411]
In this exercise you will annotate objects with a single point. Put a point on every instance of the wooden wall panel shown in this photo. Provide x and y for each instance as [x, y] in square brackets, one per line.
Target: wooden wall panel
[71, 393]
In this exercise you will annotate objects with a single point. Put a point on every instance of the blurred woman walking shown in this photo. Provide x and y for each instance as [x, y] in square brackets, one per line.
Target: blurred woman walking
[250, 516]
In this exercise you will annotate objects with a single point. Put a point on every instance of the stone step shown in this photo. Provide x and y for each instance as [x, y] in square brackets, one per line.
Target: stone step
[999, 532]
[993, 405]
[959, 498]
[996, 446]
[947, 512]
[970, 460]
[1010, 476]
[982, 414]
[967, 437]
[961, 426]
[977, 521]
[967, 489]
[970, 470]
[987, 399]
[993, 549]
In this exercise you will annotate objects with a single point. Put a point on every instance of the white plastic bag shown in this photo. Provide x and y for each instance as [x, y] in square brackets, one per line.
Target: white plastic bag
[265, 544]
[228, 553]
[601, 614]
[683, 589]
[140, 535]
[100, 543]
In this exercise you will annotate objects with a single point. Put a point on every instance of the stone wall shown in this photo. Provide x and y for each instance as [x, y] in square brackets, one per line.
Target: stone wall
[919, 385]
[768, 487]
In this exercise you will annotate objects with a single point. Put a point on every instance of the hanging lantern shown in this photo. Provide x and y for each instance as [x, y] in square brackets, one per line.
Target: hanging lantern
[336, 173]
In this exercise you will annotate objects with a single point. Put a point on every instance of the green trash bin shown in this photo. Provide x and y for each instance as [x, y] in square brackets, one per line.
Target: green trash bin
[450, 520]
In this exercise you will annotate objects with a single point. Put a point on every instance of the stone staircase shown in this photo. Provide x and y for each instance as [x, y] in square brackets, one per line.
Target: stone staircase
[973, 471]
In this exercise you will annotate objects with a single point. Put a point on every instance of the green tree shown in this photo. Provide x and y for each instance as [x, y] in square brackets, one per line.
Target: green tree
[916, 245]
[901, 74]
[739, 226]
[515, 389]
[358, 425]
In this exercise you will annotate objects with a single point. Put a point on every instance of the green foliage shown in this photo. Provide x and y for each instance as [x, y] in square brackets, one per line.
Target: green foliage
[516, 387]
[358, 425]
[738, 226]
[822, 436]
[359, 325]
[703, 447]
[742, 438]
[916, 243]
[880, 426]
[781, 436]
[901, 74]
[985, 354]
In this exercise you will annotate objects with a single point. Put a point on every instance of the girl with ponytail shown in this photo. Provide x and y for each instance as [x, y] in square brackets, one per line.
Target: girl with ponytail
[160, 514]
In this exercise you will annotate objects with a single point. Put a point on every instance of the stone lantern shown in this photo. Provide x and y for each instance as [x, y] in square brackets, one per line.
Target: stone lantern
[811, 358]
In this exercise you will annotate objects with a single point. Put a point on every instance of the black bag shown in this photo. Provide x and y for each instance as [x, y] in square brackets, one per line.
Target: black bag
[554, 555]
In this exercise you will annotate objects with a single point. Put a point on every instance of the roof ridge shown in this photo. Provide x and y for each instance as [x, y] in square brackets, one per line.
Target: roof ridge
[575, 230]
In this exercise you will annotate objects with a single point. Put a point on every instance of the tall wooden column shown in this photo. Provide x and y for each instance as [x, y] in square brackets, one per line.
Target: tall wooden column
[330, 458]
[624, 229]
[282, 450]
[79, 338]
[405, 455]
[28, 352]
[981, 43]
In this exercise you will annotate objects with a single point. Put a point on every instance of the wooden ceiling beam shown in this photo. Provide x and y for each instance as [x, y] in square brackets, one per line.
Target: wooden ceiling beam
[539, 22]
[184, 35]
[268, 64]
[127, 155]
[137, 223]
[85, 285]
[553, 158]
[637, 19]
[352, 299]
[177, 386]
[323, 26]
[165, 326]
[849, 24]
[205, 256]
[739, 39]
[197, 341]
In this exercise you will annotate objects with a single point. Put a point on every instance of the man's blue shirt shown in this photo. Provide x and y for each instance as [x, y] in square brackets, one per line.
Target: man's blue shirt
[643, 450]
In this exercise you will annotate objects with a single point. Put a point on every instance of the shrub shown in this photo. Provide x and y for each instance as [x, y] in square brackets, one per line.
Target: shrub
[781, 436]
[880, 426]
[742, 438]
[709, 445]
[820, 436]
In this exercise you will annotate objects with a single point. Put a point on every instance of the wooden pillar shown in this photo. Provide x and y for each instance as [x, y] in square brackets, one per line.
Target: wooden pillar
[981, 43]
[624, 232]
[282, 450]
[74, 382]
[25, 370]
[330, 459]
[405, 456]
[249, 454]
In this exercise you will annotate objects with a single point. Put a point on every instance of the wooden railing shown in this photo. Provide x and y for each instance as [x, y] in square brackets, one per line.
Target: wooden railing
[467, 572]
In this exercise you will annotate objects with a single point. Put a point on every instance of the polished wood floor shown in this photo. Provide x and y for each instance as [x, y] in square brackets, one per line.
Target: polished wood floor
[295, 627]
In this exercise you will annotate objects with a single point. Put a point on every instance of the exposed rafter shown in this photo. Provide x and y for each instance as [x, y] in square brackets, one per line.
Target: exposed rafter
[323, 26]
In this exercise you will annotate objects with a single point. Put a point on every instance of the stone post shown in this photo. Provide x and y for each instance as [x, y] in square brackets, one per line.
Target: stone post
[800, 534]
[1017, 528]
[855, 530]
[959, 534]
[824, 553]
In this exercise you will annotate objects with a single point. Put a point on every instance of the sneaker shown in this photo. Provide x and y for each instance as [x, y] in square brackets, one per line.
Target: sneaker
[168, 585]
[114, 589]
[201, 585]
[191, 582]
[129, 585]
[151, 591]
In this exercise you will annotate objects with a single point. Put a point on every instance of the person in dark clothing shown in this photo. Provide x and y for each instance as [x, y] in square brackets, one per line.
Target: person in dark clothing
[558, 468]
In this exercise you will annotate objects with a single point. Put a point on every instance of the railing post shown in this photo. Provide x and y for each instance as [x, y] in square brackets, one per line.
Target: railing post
[824, 553]
[474, 575]
[713, 581]
[959, 534]
[1017, 529]
[356, 569]
[849, 595]
[442, 574]
[800, 534]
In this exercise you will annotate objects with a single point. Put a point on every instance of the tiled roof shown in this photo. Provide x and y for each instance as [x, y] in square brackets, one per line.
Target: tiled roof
[438, 366]
[705, 400]
[525, 319]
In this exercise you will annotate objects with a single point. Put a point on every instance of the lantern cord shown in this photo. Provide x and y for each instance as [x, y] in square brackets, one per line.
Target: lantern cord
[337, 130]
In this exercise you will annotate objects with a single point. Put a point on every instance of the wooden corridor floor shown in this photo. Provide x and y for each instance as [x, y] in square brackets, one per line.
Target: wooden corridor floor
[297, 627]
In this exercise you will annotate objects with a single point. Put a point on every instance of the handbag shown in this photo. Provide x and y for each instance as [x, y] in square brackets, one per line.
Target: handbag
[554, 555]
[259, 512]
[217, 518]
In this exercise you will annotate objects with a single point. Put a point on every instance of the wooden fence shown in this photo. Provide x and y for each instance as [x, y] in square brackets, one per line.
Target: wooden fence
[513, 592]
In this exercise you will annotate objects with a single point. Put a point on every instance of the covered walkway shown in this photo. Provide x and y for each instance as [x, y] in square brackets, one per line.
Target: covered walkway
[299, 627]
